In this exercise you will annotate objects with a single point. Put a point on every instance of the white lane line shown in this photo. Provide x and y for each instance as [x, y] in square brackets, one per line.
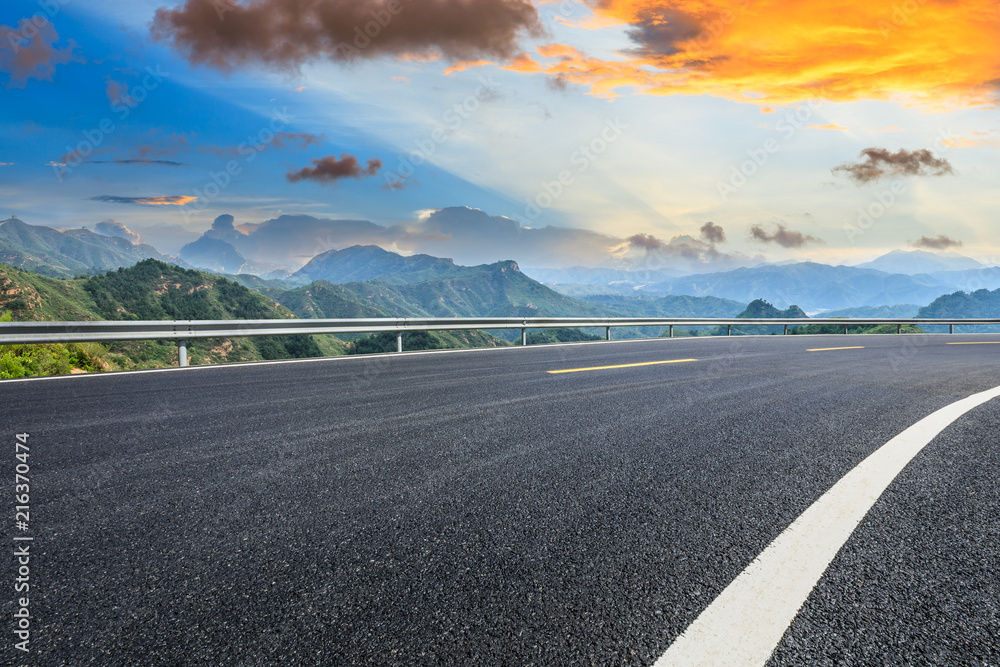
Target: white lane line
[745, 623]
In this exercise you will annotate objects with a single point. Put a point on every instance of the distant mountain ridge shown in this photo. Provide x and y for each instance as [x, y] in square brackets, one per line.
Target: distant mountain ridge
[66, 254]
[370, 262]
[810, 285]
[913, 262]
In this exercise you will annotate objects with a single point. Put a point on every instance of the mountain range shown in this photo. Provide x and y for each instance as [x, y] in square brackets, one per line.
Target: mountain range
[68, 253]
[897, 278]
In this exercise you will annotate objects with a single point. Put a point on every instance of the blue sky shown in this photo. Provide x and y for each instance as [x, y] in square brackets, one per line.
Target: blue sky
[113, 124]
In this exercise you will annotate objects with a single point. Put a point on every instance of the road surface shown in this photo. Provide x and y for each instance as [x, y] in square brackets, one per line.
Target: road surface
[474, 508]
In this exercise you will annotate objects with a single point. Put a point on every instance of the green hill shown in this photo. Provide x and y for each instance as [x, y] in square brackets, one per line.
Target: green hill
[66, 254]
[151, 290]
[760, 309]
[364, 263]
[980, 304]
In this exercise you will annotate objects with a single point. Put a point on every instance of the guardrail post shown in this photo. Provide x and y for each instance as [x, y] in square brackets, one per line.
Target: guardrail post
[671, 330]
[182, 353]
[845, 329]
[899, 328]
[399, 341]
[729, 329]
[524, 337]
[785, 332]
[951, 328]
[608, 334]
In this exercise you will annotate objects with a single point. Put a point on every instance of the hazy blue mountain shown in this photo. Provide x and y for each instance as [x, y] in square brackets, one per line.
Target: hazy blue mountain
[902, 310]
[364, 263]
[666, 306]
[213, 255]
[810, 285]
[582, 275]
[66, 254]
[912, 262]
[971, 280]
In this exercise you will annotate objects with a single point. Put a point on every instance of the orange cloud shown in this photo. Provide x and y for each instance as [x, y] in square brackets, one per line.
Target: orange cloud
[170, 200]
[463, 65]
[938, 54]
[523, 63]
[977, 140]
[828, 126]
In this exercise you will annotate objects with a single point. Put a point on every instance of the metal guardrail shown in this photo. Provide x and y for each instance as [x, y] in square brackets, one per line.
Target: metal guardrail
[18, 333]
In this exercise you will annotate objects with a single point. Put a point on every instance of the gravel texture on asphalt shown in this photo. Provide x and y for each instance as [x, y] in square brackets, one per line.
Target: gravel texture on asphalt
[468, 508]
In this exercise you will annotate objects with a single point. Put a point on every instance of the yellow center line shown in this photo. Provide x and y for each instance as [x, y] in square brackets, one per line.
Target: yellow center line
[824, 349]
[978, 342]
[604, 368]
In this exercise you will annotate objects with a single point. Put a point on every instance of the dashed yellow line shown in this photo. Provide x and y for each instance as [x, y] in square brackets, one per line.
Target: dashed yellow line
[978, 342]
[824, 349]
[604, 368]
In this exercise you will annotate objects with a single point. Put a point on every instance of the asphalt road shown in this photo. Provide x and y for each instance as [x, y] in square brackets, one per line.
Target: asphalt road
[471, 508]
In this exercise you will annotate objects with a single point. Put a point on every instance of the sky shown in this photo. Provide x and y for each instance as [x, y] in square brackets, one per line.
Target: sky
[697, 134]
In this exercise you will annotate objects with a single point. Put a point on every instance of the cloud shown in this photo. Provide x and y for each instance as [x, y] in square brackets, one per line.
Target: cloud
[647, 241]
[117, 93]
[224, 224]
[782, 236]
[713, 233]
[111, 227]
[661, 31]
[329, 169]
[881, 162]
[297, 140]
[165, 163]
[285, 34]
[780, 53]
[940, 242]
[169, 200]
[30, 52]
[682, 253]
[828, 126]
[977, 140]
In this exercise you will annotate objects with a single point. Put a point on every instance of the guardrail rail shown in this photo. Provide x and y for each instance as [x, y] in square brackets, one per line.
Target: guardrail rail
[25, 333]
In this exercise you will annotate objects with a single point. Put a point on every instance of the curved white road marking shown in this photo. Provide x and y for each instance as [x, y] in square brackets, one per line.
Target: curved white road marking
[748, 619]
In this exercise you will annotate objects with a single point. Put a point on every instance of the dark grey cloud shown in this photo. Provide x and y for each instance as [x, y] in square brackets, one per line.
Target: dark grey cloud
[29, 51]
[297, 140]
[939, 242]
[781, 235]
[713, 233]
[682, 253]
[646, 241]
[331, 169]
[286, 34]
[163, 163]
[659, 33]
[879, 162]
